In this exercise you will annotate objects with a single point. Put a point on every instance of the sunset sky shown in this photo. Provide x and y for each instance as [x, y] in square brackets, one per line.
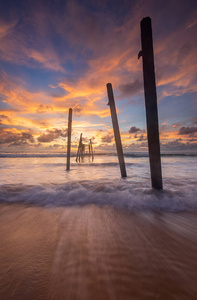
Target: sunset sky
[58, 54]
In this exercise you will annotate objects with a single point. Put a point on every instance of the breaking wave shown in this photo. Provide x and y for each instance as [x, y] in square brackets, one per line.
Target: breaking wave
[119, 193]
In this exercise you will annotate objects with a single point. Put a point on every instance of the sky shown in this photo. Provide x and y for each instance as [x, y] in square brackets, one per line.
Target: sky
[56, 55]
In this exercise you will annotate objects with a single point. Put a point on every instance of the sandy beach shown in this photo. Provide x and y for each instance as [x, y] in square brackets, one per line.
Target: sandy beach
[94, 252]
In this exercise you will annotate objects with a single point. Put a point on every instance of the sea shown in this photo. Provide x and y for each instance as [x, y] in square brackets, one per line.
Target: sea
[41, 179]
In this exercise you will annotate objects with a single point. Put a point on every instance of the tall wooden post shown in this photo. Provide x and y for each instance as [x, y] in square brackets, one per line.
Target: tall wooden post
[151, 102]
[116, 130]
[69, 138]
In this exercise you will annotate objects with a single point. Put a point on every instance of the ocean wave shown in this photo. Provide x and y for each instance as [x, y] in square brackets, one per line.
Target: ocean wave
[32, 155]
[120, 194]
[63, 154]
[92, 164]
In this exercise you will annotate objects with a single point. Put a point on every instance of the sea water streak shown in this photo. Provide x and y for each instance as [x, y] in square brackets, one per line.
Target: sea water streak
[67, 236]
[48, 184]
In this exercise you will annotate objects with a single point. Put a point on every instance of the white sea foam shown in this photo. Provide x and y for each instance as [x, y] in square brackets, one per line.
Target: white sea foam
[119, 193]
[44, 181]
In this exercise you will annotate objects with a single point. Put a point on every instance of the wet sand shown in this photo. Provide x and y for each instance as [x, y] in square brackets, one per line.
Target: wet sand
[96, 252]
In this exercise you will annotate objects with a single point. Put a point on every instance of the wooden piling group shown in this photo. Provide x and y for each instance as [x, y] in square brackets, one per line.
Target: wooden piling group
[151, 113]
[81, 150]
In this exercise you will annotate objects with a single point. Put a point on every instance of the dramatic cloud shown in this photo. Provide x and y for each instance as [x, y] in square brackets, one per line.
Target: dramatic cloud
[191, 131]
[50, 63]
[17, 139]
[52, 135]
[78, 110]
[108, 138]
[44, 108]
[3, 118]
[132, 88]
[134, 129]
[141, 138]
[178, 145]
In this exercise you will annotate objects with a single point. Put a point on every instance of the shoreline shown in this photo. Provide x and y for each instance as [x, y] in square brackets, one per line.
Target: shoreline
[94, 252]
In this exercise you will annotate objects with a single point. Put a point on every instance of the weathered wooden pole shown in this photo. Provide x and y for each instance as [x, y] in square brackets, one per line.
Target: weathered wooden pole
[116, 130]
[82, 150]
[79, 148]
[91, 149]
[151, 102]
[69, 138]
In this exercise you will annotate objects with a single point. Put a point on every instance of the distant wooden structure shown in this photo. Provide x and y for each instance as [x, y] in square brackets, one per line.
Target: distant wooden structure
[69, 138]
[151, 102]
[91, 153]
[116, 130]
[81, 150]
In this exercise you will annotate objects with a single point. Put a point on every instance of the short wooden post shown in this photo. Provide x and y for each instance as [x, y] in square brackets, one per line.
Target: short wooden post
[69, 138]
[151, 102]
[91, 149]
[116, 130]
[82, 150]
[79, 149]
